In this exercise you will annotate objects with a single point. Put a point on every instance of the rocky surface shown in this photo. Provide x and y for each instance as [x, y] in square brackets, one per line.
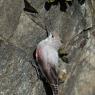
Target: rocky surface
[20, 31]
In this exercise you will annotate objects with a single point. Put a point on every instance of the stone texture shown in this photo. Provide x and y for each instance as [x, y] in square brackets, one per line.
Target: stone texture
[80, 81]
[9, 16]
[15, 76]
[20, 32]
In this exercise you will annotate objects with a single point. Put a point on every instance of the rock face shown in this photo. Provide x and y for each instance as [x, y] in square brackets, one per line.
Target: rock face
[20, 31]
[9, 17]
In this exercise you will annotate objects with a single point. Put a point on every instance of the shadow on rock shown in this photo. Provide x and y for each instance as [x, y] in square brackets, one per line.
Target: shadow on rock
[29, 8]
[63, 4]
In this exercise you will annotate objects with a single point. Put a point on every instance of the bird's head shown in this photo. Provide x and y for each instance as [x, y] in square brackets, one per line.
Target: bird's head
[54, 40]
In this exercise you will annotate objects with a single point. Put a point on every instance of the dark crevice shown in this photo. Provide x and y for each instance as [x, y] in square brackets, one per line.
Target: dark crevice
[63, 4]
[47, 87]
[81, 1]
[29, 8]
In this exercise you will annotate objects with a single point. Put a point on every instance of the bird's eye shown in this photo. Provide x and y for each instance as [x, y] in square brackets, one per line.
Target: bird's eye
[52, 36]
[61, 41]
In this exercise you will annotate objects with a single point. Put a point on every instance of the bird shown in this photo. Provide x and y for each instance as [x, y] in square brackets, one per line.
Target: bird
[47, 59]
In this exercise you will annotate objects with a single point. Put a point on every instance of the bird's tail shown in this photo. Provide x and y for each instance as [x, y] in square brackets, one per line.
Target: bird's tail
[54, 88]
